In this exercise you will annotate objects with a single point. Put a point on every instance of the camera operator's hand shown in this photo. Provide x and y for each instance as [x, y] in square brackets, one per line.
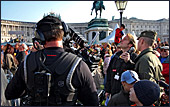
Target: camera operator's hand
[107, 95]
[125, 56]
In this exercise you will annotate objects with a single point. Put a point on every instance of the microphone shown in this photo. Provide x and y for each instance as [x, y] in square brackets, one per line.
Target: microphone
[132, 49]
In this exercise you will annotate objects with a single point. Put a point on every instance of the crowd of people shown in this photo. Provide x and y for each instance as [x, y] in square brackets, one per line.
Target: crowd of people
[130, 70]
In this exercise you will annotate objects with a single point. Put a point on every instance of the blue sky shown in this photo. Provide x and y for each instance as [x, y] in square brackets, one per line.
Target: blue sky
[79, 11]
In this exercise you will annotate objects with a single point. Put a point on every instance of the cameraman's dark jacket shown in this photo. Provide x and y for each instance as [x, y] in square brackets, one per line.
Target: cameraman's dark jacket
[116, 67]
[82, 80]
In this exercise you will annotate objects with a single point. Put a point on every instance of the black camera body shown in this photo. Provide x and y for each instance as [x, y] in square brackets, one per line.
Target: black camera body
[41, 86]
[165, 86]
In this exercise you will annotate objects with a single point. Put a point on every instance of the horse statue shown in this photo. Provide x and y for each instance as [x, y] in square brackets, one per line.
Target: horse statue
[98, 5]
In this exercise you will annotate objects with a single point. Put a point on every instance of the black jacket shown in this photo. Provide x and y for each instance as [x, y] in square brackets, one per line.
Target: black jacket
[116, 67]
[120, 99]
[82, 79]
[20, 56]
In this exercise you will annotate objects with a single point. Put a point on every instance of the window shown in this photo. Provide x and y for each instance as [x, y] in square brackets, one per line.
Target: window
[93, 34]
[28, 34]
[126, 30]
[164, 39]
[87, 36]
[102, 35]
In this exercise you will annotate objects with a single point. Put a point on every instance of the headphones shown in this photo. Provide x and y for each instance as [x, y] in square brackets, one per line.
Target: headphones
[39, 36]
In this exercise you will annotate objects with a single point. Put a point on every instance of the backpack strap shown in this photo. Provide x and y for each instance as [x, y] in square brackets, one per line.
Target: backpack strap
[66, 61]
[25, 68]
[70, 74]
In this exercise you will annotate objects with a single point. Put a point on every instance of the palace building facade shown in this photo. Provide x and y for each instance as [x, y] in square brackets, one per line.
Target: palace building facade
[16, 29]
[138, 25]
[25, 30]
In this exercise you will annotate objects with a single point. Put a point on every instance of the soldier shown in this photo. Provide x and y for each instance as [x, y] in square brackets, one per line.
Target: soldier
[147, 64]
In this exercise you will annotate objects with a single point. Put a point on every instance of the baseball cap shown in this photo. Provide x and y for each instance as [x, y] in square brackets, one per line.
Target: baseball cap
[149, 34]
[129, 76]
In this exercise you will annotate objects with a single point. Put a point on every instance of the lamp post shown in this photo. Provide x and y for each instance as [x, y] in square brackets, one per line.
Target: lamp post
[121, 5]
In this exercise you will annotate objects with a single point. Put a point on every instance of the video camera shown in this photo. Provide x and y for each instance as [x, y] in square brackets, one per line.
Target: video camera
[162, 84]
[165, 97]
[84, 52]
[165, 86]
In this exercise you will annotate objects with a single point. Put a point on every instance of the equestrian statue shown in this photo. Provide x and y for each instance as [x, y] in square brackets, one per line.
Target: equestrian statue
[98, 5]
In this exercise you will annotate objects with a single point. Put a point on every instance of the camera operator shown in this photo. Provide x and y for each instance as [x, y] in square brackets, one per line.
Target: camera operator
[63, 91]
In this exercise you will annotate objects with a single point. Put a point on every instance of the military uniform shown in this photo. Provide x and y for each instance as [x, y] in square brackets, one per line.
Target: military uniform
[148, 65]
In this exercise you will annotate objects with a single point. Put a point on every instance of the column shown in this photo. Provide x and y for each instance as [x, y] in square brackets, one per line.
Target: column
[6, 30]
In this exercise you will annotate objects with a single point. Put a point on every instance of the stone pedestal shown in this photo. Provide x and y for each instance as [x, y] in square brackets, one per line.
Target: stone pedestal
[99, 22]
[97, 25]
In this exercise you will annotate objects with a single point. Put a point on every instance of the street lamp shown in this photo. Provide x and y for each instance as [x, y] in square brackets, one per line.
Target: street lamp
[121, 5]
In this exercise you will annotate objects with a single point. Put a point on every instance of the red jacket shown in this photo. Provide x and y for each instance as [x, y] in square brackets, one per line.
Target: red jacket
[165, 71]
[118, 35]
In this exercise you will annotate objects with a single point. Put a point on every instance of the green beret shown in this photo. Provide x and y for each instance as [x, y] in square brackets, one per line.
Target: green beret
[149, 34]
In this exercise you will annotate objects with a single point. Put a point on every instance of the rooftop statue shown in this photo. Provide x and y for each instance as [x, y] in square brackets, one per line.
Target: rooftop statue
[98, 5]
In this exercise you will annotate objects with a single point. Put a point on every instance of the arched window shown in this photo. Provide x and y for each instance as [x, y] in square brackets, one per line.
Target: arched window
[102, 35]
[93, 34]
[87, 35]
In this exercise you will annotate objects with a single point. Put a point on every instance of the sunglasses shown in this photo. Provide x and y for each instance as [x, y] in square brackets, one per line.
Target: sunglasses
[163, 50]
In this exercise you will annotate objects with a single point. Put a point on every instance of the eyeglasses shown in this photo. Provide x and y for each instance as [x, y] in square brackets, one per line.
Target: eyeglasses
[163, 50]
